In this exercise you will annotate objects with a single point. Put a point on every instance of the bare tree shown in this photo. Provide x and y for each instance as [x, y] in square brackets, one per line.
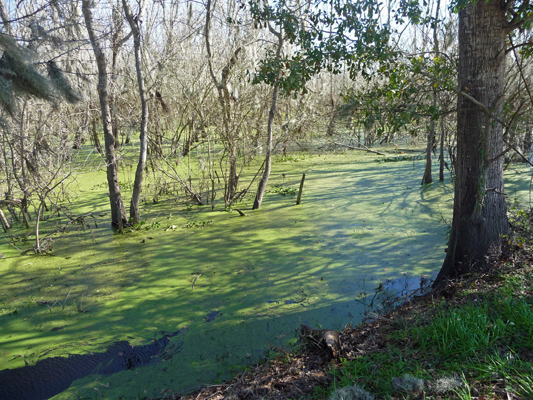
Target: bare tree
[118, 212]
[225, 104]
[268, 157]
[139, 173]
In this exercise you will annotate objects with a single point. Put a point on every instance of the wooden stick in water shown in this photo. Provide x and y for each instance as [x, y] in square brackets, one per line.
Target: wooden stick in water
[298, 200]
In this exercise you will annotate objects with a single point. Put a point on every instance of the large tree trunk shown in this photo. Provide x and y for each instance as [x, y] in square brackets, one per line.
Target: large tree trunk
[139, 173]
[479, 215]
[118, 212]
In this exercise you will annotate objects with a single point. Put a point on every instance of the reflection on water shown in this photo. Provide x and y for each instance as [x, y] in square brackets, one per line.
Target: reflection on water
[53, 375]
[394, 292]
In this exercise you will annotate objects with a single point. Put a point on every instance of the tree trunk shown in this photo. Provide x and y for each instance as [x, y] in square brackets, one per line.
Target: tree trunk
[4, 222]
[116, 44]
[268, 158]
[37, 222]
[441, 156]
[139, 173]
[24, 210]
[231, 181]
[479, 215]
[118, 212]
[427, 178]
[94, 136]
[527, 141]
[5, 18]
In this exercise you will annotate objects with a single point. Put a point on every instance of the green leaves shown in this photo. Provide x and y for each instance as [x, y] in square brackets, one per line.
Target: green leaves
[330, 35]
[338, 36]
[401, 98]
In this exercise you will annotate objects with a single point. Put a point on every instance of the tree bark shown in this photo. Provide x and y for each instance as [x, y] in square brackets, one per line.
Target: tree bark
[116, 44]
[118, 212]
[268, 157]
[95, 139]
[479, 215]
[261, 188]
[427, 178]
[299, 198]
[441, 156]
[4, 222]
[5, 19]
[139, 173]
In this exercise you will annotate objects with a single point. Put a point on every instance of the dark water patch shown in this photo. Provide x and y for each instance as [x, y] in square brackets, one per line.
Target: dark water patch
[394, 292]
[211, 316]
[290, 301]
[408, 286]
[53, 375]
[57, 328]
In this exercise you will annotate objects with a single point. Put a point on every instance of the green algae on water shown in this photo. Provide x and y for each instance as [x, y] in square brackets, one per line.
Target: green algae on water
[261, 275]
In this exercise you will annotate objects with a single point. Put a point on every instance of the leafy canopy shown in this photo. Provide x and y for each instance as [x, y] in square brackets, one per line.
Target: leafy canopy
[328, 35]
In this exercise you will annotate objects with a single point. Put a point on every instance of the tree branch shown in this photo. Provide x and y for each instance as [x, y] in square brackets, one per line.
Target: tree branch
[208, 45]
[363, 148]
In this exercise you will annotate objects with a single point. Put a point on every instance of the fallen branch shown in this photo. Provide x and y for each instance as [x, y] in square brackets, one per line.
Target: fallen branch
[363, 148]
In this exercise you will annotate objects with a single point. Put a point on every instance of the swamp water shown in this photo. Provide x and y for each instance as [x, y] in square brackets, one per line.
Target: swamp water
[233, 286]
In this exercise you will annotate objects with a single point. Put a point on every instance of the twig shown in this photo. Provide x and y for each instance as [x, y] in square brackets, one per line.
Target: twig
[194, 283]
[517, 152]
[243, 193]
[66, 298]
[379, 317]
[235, 385]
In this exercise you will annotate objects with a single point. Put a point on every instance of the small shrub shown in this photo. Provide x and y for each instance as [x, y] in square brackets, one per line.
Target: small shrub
[197, 224]
[284, 191]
